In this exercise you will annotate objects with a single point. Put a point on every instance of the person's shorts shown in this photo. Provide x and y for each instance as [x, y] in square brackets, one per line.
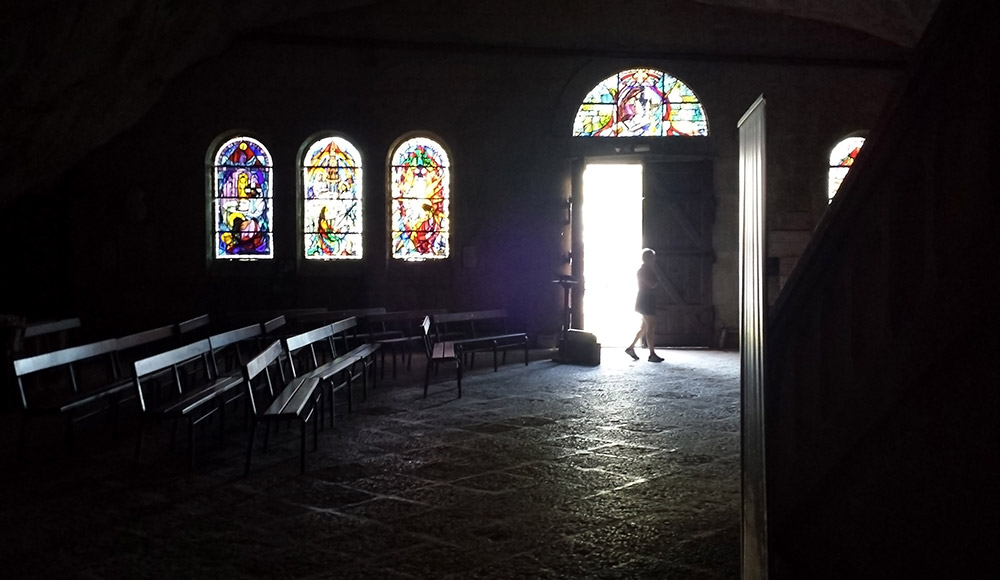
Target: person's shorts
[645, 304]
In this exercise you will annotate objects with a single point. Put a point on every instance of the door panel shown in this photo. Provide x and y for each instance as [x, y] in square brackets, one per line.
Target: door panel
[678, 214]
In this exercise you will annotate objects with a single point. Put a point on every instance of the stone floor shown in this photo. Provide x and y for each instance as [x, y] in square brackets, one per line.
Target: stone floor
[626, 470]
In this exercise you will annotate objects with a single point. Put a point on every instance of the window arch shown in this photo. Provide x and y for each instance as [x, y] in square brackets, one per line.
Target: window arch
[333, 224]
[640, 102]
[420, 176]
[243, 207]
[841, 160]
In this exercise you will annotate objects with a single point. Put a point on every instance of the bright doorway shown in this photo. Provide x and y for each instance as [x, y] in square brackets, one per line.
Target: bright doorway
[612, 240]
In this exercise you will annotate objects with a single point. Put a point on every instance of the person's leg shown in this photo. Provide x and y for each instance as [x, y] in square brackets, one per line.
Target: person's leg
[649, 322]
[642, 332]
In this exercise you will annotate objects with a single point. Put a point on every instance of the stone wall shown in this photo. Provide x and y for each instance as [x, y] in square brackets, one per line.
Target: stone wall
[124, 228]
[881, 375]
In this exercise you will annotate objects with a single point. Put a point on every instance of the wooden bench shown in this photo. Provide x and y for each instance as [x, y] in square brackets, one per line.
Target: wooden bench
[327, 362]
[317, 319]
[231, 347]
[132, 347]
[45, 336]
[193, 402]
[397, 333]
[193, 329]
[294, 400]
[75, 400]
[102, 385]
[230, 350]
[475, 338]
[478, 331]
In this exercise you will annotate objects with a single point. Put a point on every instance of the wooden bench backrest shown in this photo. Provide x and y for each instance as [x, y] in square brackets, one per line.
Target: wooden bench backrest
[406, 321]
[232, 338]
[356, 313]
[309, 339]
[127, 345]
[467, 320]
[469, 316]
[50, 327]
[145, 337]
[42, 337]
[268, 327]
[172, 359]
[192, 325]
[67, 357]
[263, 363]
[329, 333]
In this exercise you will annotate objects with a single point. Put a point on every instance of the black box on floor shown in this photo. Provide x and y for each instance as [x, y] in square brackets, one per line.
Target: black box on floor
[580, 348]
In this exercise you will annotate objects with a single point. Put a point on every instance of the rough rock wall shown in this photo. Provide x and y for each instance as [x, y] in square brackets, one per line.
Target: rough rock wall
[74, 74]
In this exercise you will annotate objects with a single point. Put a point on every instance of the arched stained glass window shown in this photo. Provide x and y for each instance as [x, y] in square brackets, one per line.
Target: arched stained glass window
[331, 207]
[420, 174]
[841, 159]
[640, 102]
[243, 206]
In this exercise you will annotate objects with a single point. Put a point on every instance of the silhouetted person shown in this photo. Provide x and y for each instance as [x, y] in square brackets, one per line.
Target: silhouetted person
[645, 304]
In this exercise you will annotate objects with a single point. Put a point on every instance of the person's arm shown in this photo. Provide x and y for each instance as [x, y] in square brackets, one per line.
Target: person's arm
[648, 278]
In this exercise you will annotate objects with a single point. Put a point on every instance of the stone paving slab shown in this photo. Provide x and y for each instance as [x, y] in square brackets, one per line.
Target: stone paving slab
[625, 470]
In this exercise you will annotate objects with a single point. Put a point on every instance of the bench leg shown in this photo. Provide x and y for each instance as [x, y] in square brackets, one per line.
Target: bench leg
[20, 435]
[302, 456]
[138, 439]
[458, 373]
[69, 435]
[253, 432]
[113, 410]
[366, 369]
[222, 420]
[190, 442]
[427, 377]
[333, 404]
[173, 436]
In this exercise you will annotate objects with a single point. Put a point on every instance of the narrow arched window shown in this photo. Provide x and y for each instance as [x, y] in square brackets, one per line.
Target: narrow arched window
[420, 175]
[641, 102]
[841, 159]
[242, 200]
[331, 200]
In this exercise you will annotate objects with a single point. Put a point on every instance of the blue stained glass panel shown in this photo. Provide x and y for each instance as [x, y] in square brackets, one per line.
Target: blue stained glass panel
[242, 200]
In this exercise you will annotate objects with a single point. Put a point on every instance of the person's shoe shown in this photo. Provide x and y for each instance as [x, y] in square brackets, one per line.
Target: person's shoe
[655, 358]
[631, 352]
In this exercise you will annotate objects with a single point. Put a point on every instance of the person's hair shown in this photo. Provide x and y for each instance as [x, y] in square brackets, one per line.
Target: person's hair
[647, 254]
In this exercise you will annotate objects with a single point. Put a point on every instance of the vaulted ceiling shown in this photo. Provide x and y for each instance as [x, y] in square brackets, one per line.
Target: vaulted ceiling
[78, 73]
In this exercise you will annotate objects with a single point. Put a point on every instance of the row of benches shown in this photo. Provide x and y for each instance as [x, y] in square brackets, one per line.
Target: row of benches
[320, 362]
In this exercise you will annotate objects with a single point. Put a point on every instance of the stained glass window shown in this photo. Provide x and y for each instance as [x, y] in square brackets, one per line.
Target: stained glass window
[331, 178]
[640, 103]
[841, 159]
[420, 175]
[243, 206]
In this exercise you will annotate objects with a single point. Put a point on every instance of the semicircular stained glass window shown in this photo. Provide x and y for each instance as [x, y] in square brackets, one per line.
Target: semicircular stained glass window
[420, 180]
[243, 200]
[641, 102]
[841, 160]
[332, 200]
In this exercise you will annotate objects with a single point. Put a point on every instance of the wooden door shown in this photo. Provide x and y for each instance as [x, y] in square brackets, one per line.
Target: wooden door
[678, 213]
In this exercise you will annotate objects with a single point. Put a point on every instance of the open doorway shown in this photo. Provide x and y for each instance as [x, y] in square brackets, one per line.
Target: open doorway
[612, 240]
